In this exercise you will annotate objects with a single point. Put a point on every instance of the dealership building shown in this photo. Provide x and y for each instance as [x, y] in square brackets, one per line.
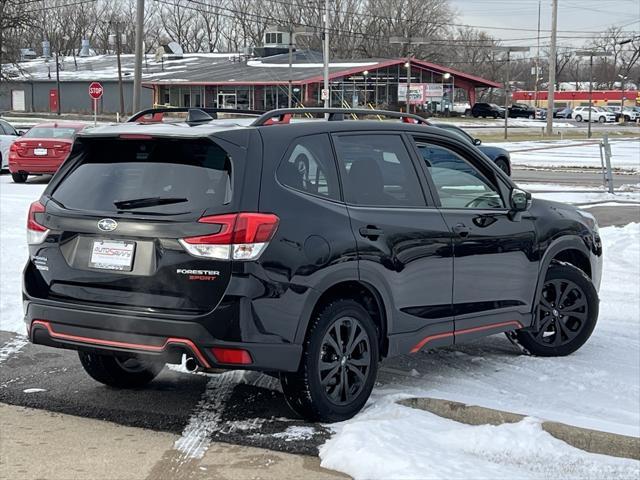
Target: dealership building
[260, 81]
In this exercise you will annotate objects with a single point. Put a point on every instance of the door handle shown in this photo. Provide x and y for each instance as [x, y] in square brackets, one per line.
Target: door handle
[461, 230]
[371, 232]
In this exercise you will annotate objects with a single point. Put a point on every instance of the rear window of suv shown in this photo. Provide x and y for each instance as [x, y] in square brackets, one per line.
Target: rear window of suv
[158, 176]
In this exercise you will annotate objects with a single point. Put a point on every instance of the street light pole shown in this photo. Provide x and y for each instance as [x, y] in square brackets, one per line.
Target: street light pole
[622, 79]
[590, 54]
[507, 90]
[551, 92]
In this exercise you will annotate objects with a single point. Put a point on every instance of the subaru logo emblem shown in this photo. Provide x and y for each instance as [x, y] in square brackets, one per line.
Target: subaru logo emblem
[107, 225]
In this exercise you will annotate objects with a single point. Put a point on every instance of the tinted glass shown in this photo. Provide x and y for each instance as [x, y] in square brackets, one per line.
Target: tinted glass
[377, 171]
[185, 176]
[459, 184]
[51, 132]
[309, 167]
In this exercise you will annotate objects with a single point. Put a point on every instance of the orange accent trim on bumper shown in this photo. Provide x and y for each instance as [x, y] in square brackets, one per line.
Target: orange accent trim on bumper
[437, 336]
[113, 343]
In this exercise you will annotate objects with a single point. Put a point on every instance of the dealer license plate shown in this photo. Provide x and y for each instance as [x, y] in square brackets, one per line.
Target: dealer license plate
[112, 255]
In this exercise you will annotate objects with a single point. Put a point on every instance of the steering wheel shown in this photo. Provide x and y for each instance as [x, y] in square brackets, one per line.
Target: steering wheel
[489, 198]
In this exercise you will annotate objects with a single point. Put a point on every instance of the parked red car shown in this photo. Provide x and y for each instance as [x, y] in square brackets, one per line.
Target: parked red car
[42, 149]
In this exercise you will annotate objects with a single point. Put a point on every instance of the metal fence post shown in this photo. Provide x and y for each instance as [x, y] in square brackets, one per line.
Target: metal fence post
[607, 158]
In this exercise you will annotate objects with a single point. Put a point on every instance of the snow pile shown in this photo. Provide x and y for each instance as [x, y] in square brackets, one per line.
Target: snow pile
[597, 387]
[389, 441]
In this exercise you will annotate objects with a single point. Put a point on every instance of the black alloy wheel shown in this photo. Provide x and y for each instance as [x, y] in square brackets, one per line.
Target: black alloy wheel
[562, 312]
[567, 313]
[345, 360]
[339, 363]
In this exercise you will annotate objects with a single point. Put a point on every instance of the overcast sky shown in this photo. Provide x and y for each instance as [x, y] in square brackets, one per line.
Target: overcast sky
[573, 16]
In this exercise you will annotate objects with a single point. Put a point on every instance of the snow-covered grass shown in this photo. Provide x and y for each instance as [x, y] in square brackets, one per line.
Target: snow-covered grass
[573, 153]
[596, 387]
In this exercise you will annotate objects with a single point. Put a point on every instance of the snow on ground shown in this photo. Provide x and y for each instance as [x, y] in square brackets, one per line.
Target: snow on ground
[596, 387]
[14, 206]
[573, 153]
[624, 194]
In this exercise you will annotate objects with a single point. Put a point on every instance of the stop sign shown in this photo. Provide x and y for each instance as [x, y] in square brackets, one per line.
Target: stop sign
[95, 90]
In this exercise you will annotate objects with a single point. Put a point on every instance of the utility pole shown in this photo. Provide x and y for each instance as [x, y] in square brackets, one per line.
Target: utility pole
[117, 43]
[137, 75]
[552, 66]
[325, 68]
[290, 92]
[507, 89]
[590, 54]
[58, 84]
[537, 64]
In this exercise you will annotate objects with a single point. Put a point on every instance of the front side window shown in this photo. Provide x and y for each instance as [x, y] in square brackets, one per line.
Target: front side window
[377, 171]
[309, 167]
[458, 183]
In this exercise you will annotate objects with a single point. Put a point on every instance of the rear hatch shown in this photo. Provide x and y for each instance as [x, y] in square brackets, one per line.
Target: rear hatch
[119, 215]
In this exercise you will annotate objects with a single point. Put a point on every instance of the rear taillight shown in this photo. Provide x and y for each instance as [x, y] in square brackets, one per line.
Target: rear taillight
[17, 149]
[242, 236]
[36, 233]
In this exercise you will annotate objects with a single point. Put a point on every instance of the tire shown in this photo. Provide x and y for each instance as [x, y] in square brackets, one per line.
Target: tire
[574, 323]
[19, 177]
[495, 116]
[119, 372]
[304, 390]
[578, 118]
[627, 118]
[531, 117]
[503, 165]
[602, 119]
[475, 115]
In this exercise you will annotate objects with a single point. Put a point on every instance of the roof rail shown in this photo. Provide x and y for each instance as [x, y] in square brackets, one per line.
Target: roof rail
[156, 114]
[283, 115]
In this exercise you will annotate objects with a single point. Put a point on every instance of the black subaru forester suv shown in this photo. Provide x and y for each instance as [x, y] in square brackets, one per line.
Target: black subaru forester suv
[307, 249]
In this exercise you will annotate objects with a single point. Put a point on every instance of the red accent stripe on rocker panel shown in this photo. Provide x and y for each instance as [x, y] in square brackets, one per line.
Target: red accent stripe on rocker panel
[115, 343]
[438, 336]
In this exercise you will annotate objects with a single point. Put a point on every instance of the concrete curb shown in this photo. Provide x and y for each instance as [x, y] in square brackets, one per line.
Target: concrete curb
[593, 441]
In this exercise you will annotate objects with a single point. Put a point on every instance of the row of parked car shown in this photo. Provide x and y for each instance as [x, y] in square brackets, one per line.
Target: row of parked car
[580, 114]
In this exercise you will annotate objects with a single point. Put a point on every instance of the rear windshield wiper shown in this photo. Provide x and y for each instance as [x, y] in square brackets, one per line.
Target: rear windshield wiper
[147, 202]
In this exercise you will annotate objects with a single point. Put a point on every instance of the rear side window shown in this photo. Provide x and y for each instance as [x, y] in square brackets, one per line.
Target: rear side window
[309, 167]
[377, 171]
[160, 176]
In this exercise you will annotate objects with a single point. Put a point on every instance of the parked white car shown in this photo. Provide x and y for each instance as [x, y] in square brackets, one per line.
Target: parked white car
[629, 114]
[581, 114]
[7, 136]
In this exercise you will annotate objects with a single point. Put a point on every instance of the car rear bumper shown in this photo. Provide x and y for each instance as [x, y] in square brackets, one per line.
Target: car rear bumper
[65, 326]
[34, 165]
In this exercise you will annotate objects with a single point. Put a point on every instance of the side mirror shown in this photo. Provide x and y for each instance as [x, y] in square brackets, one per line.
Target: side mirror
[477, 141]
[520, 202]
